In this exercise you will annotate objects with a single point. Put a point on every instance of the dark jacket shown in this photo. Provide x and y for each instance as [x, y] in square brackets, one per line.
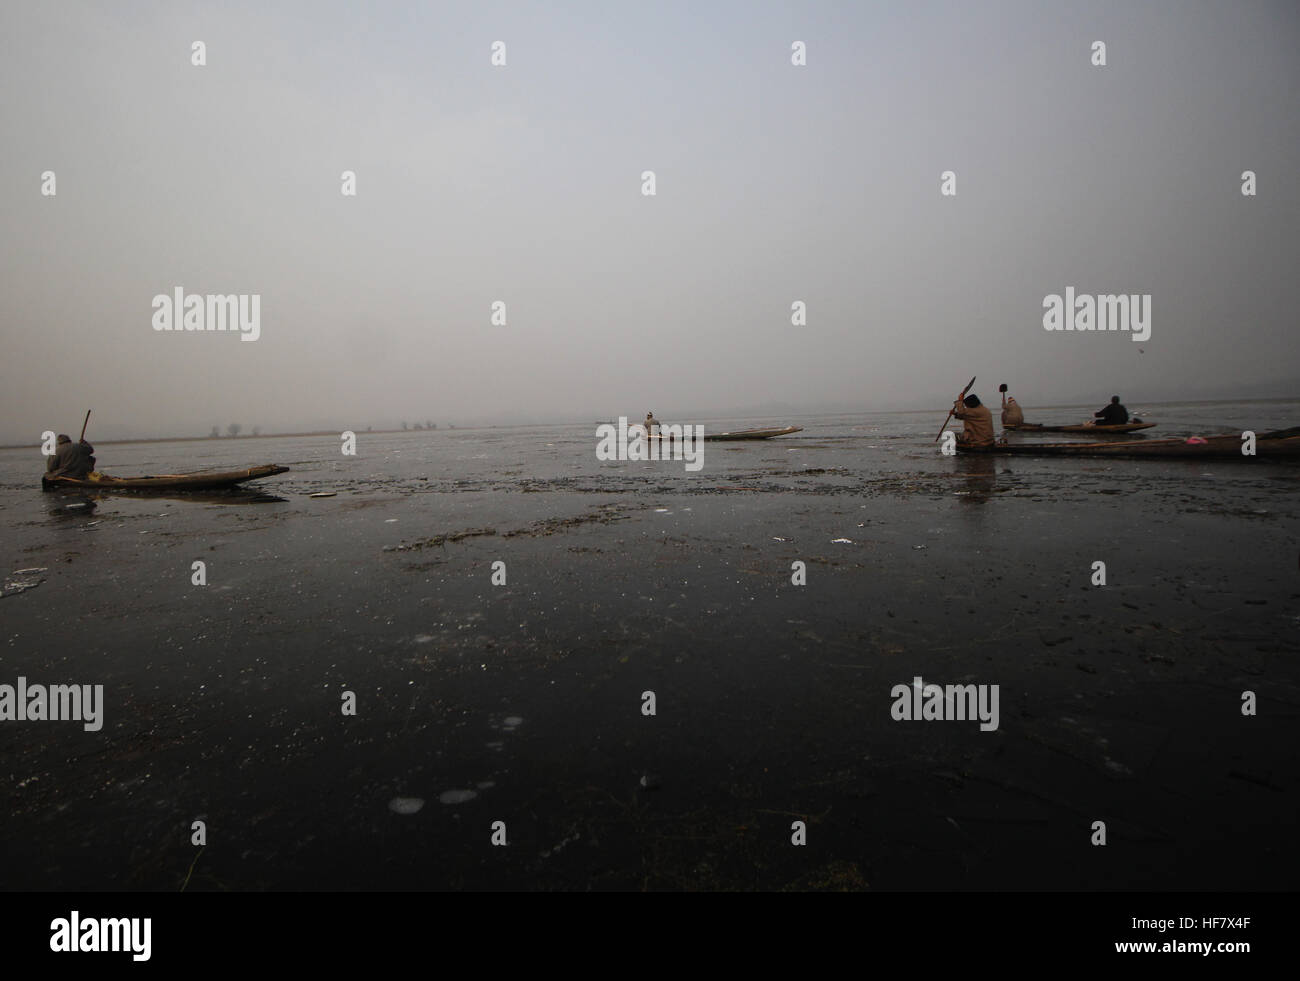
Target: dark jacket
[71, 460]
[1113, 415]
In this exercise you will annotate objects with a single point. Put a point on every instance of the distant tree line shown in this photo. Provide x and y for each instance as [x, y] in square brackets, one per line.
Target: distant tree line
[234, 429]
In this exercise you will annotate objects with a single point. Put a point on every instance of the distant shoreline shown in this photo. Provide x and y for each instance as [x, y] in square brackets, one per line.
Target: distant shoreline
[221, 439]
[534, 425]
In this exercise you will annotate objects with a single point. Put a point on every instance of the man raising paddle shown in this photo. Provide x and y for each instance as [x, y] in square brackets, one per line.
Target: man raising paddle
[1011, 414]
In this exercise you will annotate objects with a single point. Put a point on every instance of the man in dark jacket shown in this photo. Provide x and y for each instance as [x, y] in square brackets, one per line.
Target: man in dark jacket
[70, 459]
[1113, 415]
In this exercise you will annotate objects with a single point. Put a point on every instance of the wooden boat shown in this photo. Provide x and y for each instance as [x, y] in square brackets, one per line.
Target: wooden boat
[753, 433]
[1283, 443]
[742, 434]
[165, 482]
[1034, 427]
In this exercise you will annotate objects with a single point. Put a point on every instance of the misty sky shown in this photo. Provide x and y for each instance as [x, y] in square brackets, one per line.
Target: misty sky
[523, 184]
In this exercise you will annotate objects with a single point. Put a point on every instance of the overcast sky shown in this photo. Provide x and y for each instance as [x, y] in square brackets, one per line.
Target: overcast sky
[522, 183]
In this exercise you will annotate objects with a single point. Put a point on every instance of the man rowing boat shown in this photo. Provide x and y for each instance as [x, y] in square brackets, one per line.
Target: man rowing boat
[70, 459]
[1113, 414]
[977, 421]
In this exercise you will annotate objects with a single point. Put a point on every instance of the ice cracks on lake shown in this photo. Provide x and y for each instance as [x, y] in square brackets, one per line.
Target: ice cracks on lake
[456, 796]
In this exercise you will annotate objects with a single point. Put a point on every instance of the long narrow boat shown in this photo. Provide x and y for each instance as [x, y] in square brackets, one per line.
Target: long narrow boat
[1282, 444]
[753, 433]
[742, 434]
[1034, 427]
[166, 482]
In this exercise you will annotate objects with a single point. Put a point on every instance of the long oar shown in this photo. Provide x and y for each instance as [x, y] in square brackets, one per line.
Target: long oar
[959, 398]
[84, 425]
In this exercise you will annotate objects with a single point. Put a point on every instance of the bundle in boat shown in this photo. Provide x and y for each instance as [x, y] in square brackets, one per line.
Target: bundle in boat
[1281, 443]
[211, 480]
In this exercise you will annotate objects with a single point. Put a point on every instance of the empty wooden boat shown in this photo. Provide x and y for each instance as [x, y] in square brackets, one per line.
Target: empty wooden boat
[1033, 427]
[211, 480]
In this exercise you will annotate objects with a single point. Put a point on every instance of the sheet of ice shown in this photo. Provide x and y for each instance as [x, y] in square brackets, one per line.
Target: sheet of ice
[405, 805]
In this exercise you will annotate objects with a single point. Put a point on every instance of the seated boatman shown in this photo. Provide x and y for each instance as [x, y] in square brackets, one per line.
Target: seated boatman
[651, 424]
[976, 419]
[1113, 415]
[70, 459]
[1011, 414]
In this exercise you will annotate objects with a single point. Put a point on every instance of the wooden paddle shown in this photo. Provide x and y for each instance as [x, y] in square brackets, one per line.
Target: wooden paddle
[84, 425]
[959, 398]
